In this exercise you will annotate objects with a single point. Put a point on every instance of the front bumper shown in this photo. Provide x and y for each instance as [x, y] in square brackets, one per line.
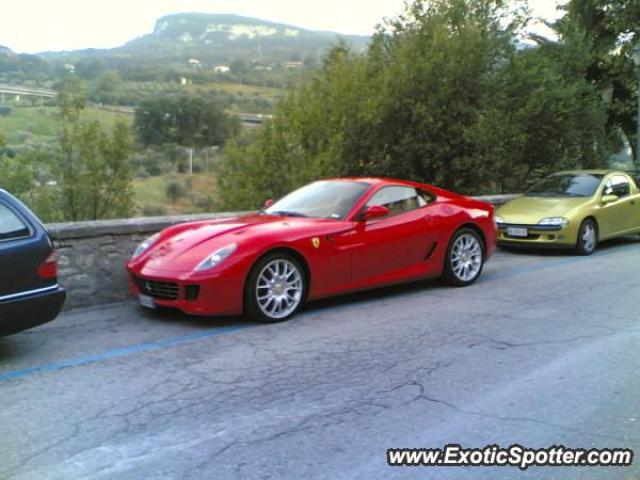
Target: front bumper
[220, 294]
[558, 236]
[30, 311]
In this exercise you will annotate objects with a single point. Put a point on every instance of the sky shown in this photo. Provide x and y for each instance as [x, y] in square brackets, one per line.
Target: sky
[32, 26]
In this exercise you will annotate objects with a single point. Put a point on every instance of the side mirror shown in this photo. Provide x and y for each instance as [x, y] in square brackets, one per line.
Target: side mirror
[375, 211]
[606, 199]
[268, 203]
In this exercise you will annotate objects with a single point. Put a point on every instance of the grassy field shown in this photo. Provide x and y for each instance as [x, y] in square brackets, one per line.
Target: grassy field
[245, 98]
[227, 87]
[41, 124]
[151, 198]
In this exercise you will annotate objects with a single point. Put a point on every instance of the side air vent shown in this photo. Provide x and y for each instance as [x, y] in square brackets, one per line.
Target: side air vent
[431, 250]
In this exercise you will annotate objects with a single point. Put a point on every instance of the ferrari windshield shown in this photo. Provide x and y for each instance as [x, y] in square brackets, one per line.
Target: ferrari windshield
[324, 199]
[566, 184]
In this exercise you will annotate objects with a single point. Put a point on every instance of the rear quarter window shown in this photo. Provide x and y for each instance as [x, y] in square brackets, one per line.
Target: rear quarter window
[11, 225]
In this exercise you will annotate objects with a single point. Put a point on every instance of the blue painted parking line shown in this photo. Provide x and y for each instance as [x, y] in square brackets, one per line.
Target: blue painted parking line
[122, 352]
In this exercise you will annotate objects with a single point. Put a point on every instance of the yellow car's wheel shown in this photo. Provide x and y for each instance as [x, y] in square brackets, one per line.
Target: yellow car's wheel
[587, 237]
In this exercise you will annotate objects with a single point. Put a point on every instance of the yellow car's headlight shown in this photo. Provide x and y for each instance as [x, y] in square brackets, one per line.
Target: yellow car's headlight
[554, 221]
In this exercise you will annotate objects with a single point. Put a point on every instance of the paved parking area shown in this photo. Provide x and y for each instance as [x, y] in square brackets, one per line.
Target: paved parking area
[544, 350]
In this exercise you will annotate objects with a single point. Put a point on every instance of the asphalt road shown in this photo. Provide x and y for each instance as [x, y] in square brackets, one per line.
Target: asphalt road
[543, 351]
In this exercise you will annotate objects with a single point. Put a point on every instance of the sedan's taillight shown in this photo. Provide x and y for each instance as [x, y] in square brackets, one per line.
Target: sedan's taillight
[49, 268]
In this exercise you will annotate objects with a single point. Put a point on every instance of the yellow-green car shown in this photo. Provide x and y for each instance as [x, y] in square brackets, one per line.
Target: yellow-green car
[573, 209]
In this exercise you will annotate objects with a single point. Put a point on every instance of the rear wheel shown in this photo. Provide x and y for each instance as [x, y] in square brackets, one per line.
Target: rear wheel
[587, 238]
[465, 258]
[275, 289]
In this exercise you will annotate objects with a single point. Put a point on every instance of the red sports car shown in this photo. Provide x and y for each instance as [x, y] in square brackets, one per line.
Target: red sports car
[327, 238]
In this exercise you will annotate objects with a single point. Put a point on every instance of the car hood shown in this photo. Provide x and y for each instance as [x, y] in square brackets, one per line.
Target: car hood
[182, 249]
[530, 210]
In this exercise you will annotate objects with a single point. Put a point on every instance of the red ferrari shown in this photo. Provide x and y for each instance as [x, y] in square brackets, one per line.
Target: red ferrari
[327, 238]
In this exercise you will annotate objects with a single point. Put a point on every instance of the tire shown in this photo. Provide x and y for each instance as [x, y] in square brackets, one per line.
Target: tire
[267, 298]
[465, 258]
[587, 241]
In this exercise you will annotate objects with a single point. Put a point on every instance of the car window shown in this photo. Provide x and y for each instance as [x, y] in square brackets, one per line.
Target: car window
[400, 199]
[617, 185]
[10, 224]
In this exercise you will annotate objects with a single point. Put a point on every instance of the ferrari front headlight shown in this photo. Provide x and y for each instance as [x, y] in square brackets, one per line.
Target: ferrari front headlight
[216, 257]
[144, 246]
[554, 221]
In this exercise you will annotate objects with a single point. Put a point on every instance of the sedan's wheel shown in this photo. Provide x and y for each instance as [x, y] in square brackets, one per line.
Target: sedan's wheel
[275, 289]
[587, 238]
[465, 258]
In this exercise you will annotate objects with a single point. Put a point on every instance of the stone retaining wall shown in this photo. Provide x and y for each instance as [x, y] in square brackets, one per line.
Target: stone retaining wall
[92, 255]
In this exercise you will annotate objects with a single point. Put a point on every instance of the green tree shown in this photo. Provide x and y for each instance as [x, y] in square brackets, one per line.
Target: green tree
[187, 120]
[108, 88]
[442, 96]
[604, 32]
[92, 164]
[71, 99]
[23, 176]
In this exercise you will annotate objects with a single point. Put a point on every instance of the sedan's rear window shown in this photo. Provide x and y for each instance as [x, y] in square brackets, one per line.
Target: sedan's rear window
[10, 224]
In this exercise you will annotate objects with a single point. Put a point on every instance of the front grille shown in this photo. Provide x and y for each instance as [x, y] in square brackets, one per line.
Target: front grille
[536, 227]
[159, 290]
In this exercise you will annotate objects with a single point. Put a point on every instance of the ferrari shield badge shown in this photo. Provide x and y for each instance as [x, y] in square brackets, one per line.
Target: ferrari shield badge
[316, 242]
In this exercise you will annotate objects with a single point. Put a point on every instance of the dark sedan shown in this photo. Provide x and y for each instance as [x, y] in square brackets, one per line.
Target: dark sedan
[29, 290]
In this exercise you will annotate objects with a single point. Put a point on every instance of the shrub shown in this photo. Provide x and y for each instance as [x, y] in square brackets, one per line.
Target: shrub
[174, 190]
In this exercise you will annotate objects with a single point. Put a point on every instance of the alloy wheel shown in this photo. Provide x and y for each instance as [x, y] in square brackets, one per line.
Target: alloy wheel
[588, 237]
[279, 288]
[466, 257]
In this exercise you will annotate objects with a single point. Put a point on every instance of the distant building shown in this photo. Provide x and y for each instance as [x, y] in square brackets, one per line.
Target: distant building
[195, 63]
[262, 68]
[294, 64]
[185, 81]
[222, 69]
[70, 67]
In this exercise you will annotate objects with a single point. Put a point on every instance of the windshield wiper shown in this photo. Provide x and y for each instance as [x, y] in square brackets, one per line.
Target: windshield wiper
[288, 213]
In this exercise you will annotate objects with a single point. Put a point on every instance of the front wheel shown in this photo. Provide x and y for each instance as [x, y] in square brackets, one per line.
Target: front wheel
[587, 238]
[275, 288]
[465, 258]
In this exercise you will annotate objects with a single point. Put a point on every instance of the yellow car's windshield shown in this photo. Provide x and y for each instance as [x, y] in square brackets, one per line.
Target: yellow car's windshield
[566, 185]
